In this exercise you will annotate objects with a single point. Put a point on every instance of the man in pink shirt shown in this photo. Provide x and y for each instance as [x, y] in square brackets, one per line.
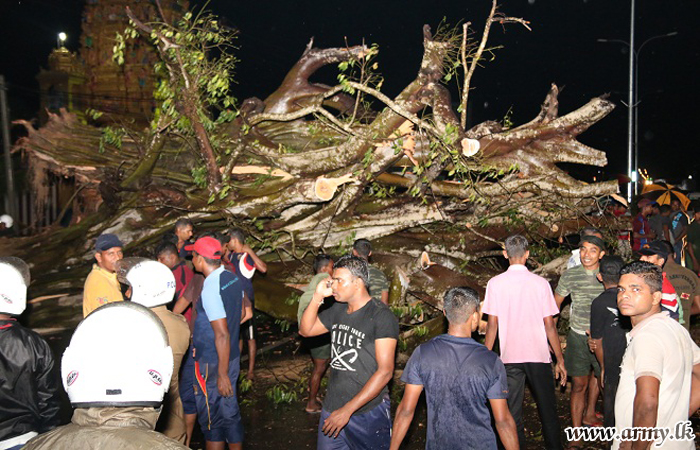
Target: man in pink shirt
[521, 310]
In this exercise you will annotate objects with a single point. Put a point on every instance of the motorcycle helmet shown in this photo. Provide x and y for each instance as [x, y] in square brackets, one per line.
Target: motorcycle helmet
[152, 283]
[118, 356]
[14, 274]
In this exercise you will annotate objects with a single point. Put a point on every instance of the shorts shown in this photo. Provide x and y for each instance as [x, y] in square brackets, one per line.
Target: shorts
[578, 358]
[187, 384]
[248, 330]
[371, 430]
[219, 417]
[318, 346]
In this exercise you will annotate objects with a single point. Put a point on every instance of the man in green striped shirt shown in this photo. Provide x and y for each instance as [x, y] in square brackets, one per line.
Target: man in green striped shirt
[378, 284]
[582, 284]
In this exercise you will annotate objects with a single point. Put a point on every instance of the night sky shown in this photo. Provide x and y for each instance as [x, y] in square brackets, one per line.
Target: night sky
[561, 48]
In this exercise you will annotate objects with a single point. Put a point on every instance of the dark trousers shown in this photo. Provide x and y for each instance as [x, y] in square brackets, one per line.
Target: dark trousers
[612, 380]
[541, 380]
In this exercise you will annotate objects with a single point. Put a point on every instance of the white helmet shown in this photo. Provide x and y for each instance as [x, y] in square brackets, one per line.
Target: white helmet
[14, 274]
[152, 283]
[7, 220]
[118, 356]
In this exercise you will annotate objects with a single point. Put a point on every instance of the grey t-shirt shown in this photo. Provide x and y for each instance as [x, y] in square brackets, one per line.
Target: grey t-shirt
[353, 357]
[679, 221]
[656, 223]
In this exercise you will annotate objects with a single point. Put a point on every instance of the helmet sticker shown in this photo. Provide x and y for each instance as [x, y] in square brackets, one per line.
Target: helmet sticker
[6, 298]
[70, 379]
[156, 377]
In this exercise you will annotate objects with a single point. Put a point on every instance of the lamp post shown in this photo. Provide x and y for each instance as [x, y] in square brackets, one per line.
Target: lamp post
[632, 103]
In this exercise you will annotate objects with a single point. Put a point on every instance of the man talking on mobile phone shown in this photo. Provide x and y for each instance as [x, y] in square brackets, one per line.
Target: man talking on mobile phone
[364, 333]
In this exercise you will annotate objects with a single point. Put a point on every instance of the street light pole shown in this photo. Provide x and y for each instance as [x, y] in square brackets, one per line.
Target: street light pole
[632, 104]
[630, 113]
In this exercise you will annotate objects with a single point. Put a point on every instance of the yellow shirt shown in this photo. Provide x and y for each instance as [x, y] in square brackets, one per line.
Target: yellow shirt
[101, 287]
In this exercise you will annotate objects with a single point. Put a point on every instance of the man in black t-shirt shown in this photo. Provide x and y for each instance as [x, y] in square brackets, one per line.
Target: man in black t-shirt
[608, 333]
[364, 333]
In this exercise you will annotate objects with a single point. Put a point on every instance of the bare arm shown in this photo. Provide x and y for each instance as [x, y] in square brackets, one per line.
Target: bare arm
[667, 234]
[695, 390]
[404, 414]
[181, 305]
[646, 403]
[310, 324]
[598, 352]
[259, 263]
[222, 341]
[385, 350]
[505, 425]
[559, 299]
[385, 297]
[553, 338]
[246, 309]
[491, 331]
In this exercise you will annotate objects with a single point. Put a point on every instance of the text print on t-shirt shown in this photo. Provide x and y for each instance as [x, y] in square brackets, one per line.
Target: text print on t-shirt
[345, 343]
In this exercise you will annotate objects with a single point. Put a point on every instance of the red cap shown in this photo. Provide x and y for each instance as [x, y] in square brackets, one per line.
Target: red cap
[207, 246]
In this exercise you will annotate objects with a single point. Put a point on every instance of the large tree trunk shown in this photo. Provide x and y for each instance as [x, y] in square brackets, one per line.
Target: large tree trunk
[304, 179]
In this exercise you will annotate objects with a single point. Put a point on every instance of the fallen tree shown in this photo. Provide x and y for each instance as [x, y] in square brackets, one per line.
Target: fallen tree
[313, 167]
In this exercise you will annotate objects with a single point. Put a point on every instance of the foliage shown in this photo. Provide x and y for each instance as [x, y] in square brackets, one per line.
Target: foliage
[408, 313]
[194, 75]
[362, 70]
[245, 384]
[402, 345]
[421, 331]
[110, 136]
[280, 394]
[293, 299]
[283, 324]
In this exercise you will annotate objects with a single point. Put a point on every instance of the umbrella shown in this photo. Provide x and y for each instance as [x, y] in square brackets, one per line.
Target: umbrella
[663, 194]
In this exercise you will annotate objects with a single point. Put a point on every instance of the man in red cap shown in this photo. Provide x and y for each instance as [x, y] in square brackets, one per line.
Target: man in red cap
[216, 353]
[641, 232]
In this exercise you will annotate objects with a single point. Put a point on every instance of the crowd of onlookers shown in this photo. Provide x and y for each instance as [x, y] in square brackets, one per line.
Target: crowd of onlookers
[171, 356]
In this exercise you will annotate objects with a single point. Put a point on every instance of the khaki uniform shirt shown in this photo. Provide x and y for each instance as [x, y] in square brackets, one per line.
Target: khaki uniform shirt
[172, 418]
[686, 285]
[129, 428]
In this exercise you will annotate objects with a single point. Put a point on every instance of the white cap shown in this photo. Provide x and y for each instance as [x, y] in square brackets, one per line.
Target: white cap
[246, 269]
[152, 283]
[7, 220]
[14, 279]
[118, 356]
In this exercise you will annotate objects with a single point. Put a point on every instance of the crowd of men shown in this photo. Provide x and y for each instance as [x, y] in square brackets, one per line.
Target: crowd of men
[628, 337]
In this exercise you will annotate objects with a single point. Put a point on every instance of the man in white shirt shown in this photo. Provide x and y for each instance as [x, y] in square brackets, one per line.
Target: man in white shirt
[660, 378]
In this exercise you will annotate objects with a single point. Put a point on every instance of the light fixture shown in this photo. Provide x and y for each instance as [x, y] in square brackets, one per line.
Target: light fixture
[62, 39]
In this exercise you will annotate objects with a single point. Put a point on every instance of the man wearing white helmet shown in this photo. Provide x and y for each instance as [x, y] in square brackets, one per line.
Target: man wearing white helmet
[28, 381]
[115, 380]
[153, 286]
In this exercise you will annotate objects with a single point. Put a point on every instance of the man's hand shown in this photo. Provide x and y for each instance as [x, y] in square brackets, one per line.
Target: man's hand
[333, 425]
[592, 344]
[602, 377]
[324, 289]
[560, 372]
[223, 384]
